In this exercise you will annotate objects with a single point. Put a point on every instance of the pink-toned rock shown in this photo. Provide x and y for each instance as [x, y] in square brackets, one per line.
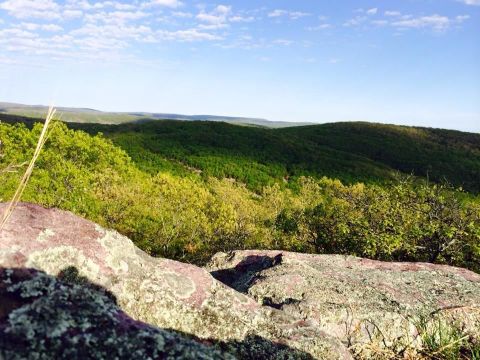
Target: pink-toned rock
[368, 304]
[161, 292]
[44, 317]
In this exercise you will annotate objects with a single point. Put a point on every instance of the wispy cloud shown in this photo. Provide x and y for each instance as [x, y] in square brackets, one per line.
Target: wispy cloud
[216, 19]
[392, 13]
[90, 29]
[87, 29]
[242, 19]
[400, 21]
[167, 3]
[189, 35]
[283, 42]
[293, 15]
[471, 2]
[24, 9]
[435, 22]
[319, 27]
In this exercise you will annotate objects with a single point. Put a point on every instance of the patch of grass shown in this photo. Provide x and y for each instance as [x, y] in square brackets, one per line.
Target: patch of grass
[444, 340]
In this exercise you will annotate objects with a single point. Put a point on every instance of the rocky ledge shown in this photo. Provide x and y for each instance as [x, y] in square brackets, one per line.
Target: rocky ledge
[67, 285]
[369, 305]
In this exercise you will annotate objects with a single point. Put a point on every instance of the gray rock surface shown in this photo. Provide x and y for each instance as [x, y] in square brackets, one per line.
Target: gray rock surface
[42, 317]
[367, 304]
[66, 281]
[164, 293]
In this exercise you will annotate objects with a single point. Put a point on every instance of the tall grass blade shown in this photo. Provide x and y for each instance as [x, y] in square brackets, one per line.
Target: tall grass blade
[28, 172]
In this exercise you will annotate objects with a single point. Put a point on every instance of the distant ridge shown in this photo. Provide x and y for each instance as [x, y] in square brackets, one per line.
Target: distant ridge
[92, 116]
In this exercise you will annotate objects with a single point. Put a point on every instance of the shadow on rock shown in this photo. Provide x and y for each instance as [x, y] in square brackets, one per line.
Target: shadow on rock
[68, 317]
[244, 274]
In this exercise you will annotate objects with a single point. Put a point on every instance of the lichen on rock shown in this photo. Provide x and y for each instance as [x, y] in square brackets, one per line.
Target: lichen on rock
[165, 293]
[42, 317]
[246, 304]
[367, 304]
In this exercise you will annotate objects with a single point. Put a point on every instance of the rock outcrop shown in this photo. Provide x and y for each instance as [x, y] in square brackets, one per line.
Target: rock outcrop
[367, 304]
[66, 284]
[165, 293]
[42, 317]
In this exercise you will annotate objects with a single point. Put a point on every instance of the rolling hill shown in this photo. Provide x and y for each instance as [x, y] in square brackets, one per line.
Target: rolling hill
[186, 190]
[351, 152]
[84, 115]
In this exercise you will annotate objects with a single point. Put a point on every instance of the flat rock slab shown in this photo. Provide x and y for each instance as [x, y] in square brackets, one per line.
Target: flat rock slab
[165, 293]
[363, 302]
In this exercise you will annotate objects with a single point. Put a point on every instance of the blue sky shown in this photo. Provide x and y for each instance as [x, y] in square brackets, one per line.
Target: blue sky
[398, 61]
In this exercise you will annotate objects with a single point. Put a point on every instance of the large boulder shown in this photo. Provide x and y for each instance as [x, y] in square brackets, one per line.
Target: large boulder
[42, 317]
[165, 293]
[370, 305]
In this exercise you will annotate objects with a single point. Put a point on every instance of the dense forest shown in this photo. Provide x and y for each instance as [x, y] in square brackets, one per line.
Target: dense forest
[256, 156]
[186, 190]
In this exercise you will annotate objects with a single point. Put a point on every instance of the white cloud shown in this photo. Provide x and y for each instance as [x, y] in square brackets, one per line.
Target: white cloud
[393, 13]
[24, 9]
[85, 5]
[114, 31]
[223, 9]
[108, 28]
[100, 43]
[241, 19]
[189, 35]
[435, 22]
[181, 14]
[402, 22]
[16, 33]
[211, 18]
[17, 40]
[380, 22]
[167, 3]
[115, 17]
[277, 13]
[283, 42]
[462, 18]
[51, 27]
[72, 14]
[357, 20]
[217, 16]
[217, 19]
[471, 2]
[7, 61]
[293, 15]
[45, 27]
[319, 27]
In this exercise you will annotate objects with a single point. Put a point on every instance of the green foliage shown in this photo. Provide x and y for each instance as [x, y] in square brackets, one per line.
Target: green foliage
[443, 340]
[70, 165]
[258, 157]
[172, 210]
[430, 153]
[408, 222]
[168, 215]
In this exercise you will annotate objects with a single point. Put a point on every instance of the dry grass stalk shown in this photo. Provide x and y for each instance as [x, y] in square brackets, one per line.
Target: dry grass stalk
[23, 183]
[12, 168]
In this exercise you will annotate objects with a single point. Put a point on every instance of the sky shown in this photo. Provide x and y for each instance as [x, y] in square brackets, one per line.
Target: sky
[412, 62]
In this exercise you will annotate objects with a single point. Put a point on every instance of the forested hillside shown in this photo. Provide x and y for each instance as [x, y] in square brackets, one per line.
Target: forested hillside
[350, 152]
[187, 190]
[257, 156]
